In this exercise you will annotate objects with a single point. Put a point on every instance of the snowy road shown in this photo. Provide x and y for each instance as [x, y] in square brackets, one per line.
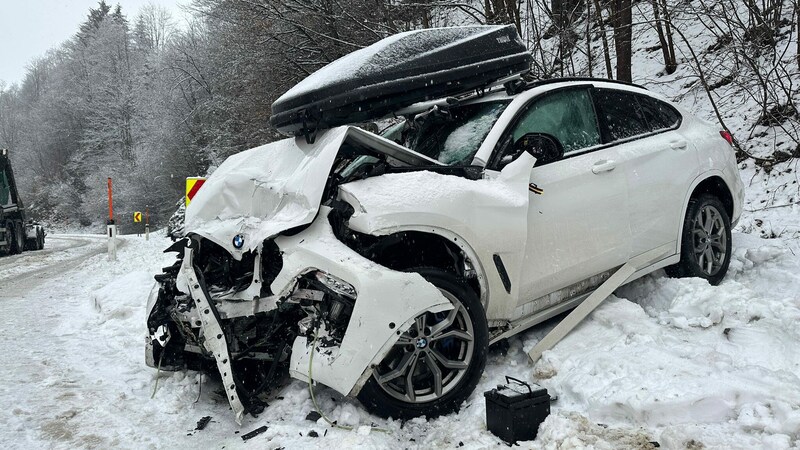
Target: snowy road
[62, 253]
[676, 362]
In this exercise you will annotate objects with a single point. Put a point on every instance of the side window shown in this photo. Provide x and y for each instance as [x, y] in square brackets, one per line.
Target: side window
[568, 115]
[659, 115]
[621, 114]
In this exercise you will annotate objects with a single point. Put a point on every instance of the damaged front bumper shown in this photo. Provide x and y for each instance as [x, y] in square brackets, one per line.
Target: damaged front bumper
[321, 282]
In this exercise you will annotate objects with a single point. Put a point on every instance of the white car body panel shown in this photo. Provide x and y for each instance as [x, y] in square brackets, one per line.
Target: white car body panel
[655, 200]
[489, 215]
[578, 227]
[263, 191]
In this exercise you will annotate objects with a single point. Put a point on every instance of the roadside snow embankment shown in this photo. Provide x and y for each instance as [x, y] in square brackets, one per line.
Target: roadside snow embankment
[717, 365]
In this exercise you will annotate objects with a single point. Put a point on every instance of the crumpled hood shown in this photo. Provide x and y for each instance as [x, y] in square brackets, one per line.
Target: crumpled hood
[263, 191]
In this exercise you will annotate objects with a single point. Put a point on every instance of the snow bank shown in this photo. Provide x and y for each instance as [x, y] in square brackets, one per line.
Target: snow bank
[692, 361]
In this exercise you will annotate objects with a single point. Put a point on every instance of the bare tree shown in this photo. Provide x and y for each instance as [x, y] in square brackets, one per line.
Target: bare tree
[9, 117]
[154, 26]
[622, 18]
[664, 30]
[503, 11]
[796, 13]
[604, 39]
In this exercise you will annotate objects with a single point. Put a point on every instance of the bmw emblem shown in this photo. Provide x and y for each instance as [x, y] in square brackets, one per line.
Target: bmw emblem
[238, 241]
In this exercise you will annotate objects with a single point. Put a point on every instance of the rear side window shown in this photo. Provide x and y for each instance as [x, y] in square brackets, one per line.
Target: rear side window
[659, 115]
[620, 114]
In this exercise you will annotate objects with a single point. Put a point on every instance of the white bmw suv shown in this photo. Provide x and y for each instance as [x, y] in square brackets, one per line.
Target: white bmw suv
[384, 265]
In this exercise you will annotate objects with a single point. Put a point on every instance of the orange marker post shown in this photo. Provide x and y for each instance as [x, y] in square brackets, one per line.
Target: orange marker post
[110, 203]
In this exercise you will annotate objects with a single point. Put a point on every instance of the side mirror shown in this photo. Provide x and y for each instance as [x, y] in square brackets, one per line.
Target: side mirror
[544, 147]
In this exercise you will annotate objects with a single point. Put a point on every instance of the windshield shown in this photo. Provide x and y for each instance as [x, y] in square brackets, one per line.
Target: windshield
[450, 135]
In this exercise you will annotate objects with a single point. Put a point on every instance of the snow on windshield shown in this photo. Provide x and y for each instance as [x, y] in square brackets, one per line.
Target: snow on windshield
[464, 141]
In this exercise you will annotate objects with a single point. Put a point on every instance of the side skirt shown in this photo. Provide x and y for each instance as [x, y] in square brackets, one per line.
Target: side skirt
[527, 322]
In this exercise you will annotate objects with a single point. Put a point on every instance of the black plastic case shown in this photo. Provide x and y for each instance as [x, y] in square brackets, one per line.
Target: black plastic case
[515, 411]
[399, 71]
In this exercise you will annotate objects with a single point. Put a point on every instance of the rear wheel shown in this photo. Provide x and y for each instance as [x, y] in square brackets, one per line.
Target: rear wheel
[437, 363]
[32, 243]
[20, 229]
[16, 242]
[706, 241]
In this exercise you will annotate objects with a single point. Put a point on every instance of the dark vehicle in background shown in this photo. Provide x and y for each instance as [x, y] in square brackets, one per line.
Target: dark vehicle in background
[16, 233]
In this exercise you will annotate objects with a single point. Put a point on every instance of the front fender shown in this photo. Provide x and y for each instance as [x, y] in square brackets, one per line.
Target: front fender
[485, 217]
[387, 303]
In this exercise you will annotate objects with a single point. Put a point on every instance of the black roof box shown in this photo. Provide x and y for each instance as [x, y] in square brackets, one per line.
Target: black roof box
[398, 71]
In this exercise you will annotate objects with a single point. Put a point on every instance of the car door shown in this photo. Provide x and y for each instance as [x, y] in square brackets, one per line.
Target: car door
[659, 162]
[577, 215]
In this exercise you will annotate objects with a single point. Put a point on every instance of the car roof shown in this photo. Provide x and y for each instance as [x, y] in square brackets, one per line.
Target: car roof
[501, 91]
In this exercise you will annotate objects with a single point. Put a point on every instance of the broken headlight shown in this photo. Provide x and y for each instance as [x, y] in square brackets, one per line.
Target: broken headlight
[337, 306]
[335, 284]
[326, 299]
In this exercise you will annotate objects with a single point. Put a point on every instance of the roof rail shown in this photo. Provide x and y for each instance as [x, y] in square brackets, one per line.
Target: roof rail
[537, 83]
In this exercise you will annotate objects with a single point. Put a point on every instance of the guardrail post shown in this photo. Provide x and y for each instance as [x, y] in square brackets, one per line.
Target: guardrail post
[111, 227]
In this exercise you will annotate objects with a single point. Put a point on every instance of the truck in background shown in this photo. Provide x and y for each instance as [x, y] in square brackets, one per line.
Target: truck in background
[16, 233]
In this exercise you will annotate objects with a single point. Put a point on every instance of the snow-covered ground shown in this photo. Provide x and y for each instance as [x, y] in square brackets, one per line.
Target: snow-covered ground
[667, 361]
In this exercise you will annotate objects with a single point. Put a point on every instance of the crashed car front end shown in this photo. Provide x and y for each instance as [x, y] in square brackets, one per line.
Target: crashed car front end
[281, 294]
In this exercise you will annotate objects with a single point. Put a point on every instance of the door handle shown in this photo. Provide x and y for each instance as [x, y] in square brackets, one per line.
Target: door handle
[678, 145]
[604, 165]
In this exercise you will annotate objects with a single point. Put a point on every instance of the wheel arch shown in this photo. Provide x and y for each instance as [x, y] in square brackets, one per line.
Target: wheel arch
[416, 243]
[717, 187]
[711, 182]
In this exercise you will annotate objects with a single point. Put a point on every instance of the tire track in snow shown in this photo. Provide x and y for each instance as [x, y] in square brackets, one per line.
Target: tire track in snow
[34, 268]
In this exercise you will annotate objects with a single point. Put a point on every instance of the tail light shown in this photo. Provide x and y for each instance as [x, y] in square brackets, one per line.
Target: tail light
[727, 136]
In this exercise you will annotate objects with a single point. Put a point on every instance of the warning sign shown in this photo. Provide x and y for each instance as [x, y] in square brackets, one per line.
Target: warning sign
[137, 216]
[193, 184]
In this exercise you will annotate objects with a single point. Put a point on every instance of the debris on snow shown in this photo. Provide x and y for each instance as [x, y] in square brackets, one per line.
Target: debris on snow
[201, 424]
[254, 433]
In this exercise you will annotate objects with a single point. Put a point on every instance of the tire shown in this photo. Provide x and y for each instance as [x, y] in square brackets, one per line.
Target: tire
[15, 241]
[386, 395]
[32, 243]
[706, 241]
[20, 229]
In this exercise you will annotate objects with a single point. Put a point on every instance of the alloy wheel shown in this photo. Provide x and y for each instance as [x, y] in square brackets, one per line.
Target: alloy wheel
[709, 239]
[429, 359]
